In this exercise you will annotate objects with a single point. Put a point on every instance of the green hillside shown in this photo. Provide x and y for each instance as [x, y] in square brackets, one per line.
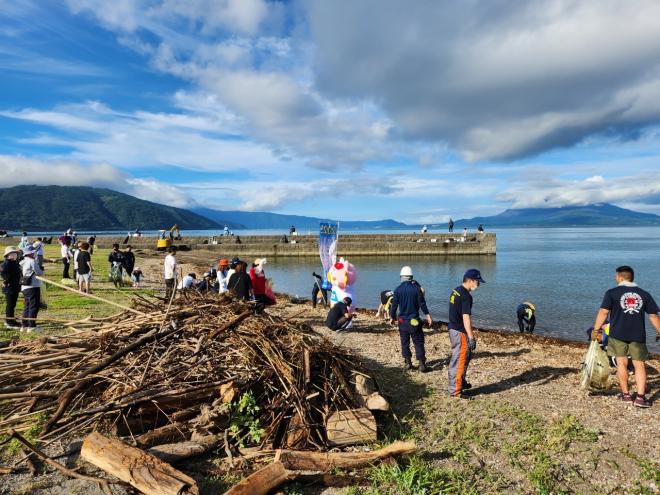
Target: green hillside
[88, 208]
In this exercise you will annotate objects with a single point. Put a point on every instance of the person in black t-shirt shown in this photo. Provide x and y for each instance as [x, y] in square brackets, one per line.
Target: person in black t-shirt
[84, 268]
[339, 317]
[626, 305]
[461, 336]
[240, 283]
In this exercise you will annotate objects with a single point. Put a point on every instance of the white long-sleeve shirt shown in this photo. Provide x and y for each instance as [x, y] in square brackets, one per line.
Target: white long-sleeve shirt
[170, 266]
[223, 280]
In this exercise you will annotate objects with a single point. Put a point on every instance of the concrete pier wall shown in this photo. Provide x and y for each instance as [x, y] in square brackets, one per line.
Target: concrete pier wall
[349, 245]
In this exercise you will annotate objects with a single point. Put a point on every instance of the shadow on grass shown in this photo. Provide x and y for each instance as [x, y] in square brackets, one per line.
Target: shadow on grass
[539, 376]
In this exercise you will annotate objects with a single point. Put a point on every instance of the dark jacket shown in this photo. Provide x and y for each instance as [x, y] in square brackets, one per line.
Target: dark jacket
[129, 261]
[116, 257]
[408, 299]
[11, 276]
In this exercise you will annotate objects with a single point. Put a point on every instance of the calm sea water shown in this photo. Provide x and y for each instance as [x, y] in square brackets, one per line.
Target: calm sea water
[564, 272]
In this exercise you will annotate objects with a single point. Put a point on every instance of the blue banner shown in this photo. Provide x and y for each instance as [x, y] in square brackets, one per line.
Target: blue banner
[327, 247]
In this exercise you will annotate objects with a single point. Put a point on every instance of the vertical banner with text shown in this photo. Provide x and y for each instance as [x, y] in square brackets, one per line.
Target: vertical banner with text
[328, 245]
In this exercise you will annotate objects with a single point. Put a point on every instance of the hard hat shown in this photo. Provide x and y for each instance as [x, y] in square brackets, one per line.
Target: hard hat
[406, 271]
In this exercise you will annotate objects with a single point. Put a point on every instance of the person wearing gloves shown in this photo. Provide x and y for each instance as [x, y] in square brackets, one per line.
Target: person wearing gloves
[461, 336]
[408, 299]
[11, 285]
[31, 289]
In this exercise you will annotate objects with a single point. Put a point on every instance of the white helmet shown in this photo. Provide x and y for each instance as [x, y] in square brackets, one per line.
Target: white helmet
[406, 271]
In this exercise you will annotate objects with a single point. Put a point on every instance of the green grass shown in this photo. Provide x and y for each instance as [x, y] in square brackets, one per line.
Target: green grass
[66, 305]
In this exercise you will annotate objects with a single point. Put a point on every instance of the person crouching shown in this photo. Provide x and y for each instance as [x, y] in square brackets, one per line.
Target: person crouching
[339, 317]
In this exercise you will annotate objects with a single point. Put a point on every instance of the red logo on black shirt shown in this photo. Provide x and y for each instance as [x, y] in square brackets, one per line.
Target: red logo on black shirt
[631, 302]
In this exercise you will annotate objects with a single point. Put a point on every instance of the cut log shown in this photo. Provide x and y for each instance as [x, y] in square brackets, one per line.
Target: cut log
[325, 461]
[262, 481]
[368, 395]
[351, 427]
[174, 432]
[176, 452]
[141, 470]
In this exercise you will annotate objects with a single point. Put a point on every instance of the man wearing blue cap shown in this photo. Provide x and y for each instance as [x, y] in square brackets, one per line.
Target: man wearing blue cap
[461, 337]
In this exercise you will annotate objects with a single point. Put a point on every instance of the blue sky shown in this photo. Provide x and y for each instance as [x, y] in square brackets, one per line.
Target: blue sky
[357, 110]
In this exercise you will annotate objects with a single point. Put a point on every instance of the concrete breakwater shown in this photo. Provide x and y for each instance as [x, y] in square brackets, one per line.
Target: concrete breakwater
[431, 244]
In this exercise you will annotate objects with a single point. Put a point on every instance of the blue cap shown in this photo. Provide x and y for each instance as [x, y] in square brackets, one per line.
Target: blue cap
[474, 274]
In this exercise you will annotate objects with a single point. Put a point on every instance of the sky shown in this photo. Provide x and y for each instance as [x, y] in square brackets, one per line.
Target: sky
[357, 110]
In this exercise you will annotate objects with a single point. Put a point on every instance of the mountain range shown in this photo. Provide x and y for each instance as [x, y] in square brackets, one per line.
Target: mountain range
[267, 220]
[598, 214]
[55, 208]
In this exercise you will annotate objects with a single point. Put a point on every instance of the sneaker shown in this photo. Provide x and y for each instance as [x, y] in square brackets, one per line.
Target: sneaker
[12, 327]
[624, 397]
[640, 401]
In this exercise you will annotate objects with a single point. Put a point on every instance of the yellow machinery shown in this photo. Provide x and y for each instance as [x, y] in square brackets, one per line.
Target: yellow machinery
[165, 240]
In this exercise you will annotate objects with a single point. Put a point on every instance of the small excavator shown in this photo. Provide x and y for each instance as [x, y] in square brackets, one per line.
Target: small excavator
[165, 240]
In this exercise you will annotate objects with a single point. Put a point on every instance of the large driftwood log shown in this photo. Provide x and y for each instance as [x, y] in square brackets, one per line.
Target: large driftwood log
[141, 470]
[351, 427]
[290, 462]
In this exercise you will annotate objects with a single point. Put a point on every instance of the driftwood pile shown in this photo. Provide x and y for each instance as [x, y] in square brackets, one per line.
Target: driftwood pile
[167, 376]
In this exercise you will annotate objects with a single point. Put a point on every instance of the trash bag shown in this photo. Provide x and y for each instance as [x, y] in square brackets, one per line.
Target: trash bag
[595, 368]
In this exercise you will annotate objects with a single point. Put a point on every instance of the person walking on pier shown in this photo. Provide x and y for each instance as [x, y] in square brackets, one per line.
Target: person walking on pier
[461, 335]
[11, 285]
[625, 305]
[526, 313]
[408, 300]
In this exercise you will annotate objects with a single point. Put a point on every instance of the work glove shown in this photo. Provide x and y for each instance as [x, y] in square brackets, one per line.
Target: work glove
[472, 344]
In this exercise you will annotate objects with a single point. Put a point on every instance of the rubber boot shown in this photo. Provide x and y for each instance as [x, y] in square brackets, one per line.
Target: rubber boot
[423, 368]
[408, 364]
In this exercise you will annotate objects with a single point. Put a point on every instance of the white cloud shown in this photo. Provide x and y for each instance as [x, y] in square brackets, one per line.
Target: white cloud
[545, 192]
[22, 170]
[202, 141]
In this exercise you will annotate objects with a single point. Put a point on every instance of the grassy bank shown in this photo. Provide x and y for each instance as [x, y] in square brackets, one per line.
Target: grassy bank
[65, 305]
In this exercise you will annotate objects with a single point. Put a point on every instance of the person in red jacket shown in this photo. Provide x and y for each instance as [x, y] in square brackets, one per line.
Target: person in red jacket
[262, 292]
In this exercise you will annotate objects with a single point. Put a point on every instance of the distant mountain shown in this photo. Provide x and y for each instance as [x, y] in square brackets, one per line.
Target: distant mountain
[265, 220]
[88, 208]
[599, 214]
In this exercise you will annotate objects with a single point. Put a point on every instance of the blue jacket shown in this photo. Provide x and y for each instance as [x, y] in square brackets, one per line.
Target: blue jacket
[408, 299]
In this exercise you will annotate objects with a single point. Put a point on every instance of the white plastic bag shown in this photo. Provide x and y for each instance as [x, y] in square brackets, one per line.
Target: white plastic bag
[595, 368]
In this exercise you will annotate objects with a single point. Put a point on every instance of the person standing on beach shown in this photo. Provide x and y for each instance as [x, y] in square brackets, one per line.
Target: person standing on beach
[408, 299]
[128, 262]
[461, 335]
[66, 255]
[84, 268]
[451, 225]
[626, 305]
[170, 271]
[11, 285]
[31, 289]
